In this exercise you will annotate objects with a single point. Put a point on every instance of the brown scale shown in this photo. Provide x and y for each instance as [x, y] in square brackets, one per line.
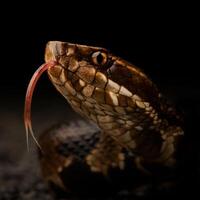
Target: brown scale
[121, 100]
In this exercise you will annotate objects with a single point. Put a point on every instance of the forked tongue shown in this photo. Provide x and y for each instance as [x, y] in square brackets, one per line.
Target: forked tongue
[28, 100]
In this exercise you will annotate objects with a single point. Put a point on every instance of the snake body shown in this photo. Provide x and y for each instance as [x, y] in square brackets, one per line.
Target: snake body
[134, 122]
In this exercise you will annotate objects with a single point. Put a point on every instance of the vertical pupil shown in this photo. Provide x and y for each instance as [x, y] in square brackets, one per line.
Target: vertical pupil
[99, 58]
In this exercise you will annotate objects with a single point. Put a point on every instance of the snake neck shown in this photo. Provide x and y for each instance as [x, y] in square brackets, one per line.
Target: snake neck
[106, 155]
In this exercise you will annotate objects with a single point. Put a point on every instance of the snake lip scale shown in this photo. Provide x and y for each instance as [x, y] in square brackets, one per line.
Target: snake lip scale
[121, 100]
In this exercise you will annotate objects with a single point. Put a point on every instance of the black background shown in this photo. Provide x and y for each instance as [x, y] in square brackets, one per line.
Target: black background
[160, 39]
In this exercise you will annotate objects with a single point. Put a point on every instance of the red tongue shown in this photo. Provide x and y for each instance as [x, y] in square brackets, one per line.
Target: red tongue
[28, 100]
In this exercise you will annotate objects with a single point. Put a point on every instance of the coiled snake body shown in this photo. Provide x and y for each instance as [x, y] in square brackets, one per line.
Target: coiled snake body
[135, 123]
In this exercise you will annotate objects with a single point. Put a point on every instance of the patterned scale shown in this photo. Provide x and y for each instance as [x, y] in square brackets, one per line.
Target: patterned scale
[135, 125]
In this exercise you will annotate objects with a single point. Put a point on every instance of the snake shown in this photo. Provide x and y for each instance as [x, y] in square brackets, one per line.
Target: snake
[131, 121]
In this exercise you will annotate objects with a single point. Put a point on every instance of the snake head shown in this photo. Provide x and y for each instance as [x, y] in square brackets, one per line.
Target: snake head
[97, 83]
[98, 67]
[108, 90]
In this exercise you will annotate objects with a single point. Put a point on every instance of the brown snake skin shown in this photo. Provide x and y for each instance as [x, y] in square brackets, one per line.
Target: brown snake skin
[121, 100]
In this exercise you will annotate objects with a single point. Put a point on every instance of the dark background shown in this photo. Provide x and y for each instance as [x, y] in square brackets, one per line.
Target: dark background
[160, 40]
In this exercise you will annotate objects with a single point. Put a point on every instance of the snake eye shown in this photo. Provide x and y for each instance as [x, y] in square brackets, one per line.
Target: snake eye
[99, 58]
